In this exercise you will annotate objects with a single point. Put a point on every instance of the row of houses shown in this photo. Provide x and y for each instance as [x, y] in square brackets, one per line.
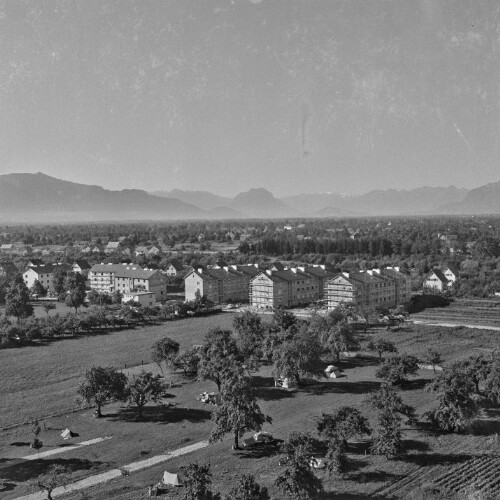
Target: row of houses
[281, 286]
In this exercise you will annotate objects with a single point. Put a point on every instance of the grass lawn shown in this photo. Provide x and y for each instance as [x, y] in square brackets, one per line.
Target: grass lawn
[32, 382]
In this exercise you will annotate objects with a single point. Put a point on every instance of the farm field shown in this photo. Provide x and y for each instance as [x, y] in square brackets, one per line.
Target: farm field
[464, 311]
[44, 389]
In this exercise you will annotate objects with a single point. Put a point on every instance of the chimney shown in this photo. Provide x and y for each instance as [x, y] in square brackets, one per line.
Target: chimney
[200, 270]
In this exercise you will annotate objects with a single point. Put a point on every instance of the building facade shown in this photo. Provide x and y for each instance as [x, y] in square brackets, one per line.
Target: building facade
[108, 278]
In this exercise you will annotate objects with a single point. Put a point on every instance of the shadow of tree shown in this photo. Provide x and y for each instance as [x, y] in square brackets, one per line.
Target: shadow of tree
[337, 386]
[20, 470]
[430, 459]
[265, 389]
[161, 414]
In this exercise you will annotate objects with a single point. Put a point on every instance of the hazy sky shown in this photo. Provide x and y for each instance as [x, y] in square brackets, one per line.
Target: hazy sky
[220, 95]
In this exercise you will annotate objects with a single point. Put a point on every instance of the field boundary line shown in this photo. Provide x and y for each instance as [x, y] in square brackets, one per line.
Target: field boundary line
[439, 323]
[116, 473]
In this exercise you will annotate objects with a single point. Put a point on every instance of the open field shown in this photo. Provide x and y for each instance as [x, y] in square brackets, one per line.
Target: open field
[464, 311]
[30, 384]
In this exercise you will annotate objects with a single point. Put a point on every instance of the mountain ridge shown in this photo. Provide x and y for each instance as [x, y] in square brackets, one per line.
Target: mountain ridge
[42, 198]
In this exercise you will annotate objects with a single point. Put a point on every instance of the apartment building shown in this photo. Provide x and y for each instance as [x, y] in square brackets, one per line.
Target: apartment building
[376, 287]
[288, 287]
[220, 284]
[44, 273]
[107, 278]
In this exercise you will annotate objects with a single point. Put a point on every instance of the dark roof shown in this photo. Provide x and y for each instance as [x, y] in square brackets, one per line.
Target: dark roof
[82, 263]
[8, 267]
[176, 265]
[452, 268]
[124, 270]
[47, 268]
[439, 275]
[37, 262]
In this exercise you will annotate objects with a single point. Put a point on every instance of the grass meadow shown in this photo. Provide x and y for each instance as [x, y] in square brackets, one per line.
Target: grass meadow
[42, 380]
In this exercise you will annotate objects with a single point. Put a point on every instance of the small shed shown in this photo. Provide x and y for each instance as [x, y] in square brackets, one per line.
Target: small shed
[67, 434]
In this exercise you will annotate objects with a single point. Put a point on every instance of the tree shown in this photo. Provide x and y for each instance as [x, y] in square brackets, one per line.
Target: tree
[143, 388]
[345, 423]
[391, 409]
[35, 431]
[219, 357]
[165, 351]
[250, 335]
[380, 346]
[297, 480]
[337, 428]
[284, 320]
[17, 299]
[248, 489]
[198, 482]
[396, 370]
[238, 412]
[477, 368]
[57, 475]
[458, 402]
[492, 384]
[188, 361]
[38, 289]
[75, 285]
[116, 297]
[58, 282]
[102, 385]
[432, 357]
[49, 307]
[339, 338]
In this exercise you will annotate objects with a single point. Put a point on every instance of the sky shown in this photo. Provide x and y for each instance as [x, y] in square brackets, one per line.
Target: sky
[296, 96]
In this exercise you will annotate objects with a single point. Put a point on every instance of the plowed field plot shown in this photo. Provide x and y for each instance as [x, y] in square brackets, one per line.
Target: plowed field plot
[480, 474]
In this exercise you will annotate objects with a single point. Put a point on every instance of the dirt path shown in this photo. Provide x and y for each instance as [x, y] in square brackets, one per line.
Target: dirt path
[49, 453]
[439, 323]
[116, 473]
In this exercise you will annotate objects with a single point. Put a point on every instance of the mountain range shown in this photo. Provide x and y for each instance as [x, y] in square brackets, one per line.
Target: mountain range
[41, 198]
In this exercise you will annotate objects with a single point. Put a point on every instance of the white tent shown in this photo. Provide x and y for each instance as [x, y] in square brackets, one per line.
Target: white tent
[67, 434]
[171, 479]
[332, 371]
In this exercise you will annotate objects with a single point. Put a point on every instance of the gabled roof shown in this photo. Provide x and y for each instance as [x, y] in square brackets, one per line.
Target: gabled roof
[176, 265]
[124, 271]
[113, 245]
[439, 274]
[452, 268]
[46, 268]
[82, 264]
[36, 262]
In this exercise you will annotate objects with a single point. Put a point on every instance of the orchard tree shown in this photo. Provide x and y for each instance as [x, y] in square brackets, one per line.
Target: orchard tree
[57, 475]
[492, 384]
[477, 368]
[339, 338]
[381, 346]
[38, 289]
[219, 357]
[298, 480]
[143, 388]
[432, 358]
[75, 285]
[188, 360]
[397, 369]
[248, 489]
[458, 402]
[102, 385]
[17, 299]
[49, 306]
[250, 334]
[347, 422]
[391, 410]
[58, 284]
[238, 412]
[198, 483]
[165, 351]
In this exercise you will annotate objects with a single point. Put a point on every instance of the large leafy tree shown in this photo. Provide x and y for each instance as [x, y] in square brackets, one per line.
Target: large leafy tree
[297, 480]
[56, 475]
[380, 346]
[345, 423]
[492, 384]
[38, 289]
[101, 385]
[219, 357]
[338, 338]
[75, 286]
[165, 351]
[238, 412]
[458, 402]
[58, 284]
[248, 489]
[391, 410]
[250, 334]
[198, 483]
[143, 388]
[397, 369]
[432, 357]
[17, 299]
